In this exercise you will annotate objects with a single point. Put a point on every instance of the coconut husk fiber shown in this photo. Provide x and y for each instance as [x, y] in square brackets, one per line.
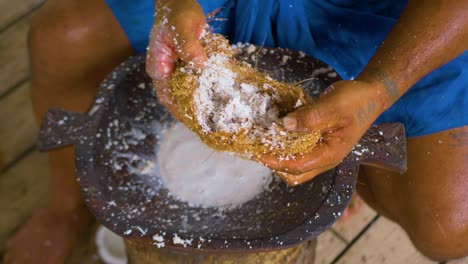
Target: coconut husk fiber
[254, 137]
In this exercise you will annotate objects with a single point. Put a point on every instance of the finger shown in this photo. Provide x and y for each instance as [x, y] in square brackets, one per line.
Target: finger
[160, 58]
[294, 180]
[159, 65]
[300, 164]
[162, 91]
[188, 45]
[329, 152]
[283, 176]
[161, 68]
[320, 116]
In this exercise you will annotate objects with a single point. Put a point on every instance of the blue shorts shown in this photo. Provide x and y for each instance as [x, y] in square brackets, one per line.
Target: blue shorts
[342, 33]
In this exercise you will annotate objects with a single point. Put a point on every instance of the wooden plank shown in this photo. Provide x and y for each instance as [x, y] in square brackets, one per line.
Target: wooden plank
[384, 242]
[23, 188]
[14, 65]
[328, 247]
[349, 228]
[18, 129]
[12, 10]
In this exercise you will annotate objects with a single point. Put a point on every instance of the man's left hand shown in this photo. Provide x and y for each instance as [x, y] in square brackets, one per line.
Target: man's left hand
[342, 115]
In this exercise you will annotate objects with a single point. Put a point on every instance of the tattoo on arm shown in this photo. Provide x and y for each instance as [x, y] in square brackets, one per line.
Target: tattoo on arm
[390, 86]
[459, 138]
[365, 112]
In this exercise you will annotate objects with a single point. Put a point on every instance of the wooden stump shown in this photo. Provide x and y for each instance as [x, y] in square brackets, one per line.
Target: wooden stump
[139, 253]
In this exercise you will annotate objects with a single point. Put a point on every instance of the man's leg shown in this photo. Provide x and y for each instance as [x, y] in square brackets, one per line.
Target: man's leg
[73, 45]
[430, 201]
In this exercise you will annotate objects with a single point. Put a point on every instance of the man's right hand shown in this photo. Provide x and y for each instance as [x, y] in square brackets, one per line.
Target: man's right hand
[175, 35]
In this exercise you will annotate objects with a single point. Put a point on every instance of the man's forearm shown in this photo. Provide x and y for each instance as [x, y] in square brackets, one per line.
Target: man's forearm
[427, 35]
[161, 3]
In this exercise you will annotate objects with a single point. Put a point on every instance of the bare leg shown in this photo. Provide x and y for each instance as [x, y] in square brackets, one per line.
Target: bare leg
[430, 201]
[73, 45]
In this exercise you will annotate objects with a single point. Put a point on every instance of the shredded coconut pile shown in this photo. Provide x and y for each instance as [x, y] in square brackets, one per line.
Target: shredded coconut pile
[233, 107]
[222, 104]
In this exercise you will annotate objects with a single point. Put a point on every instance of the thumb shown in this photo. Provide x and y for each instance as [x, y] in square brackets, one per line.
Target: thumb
[190, 48]
[317, 117]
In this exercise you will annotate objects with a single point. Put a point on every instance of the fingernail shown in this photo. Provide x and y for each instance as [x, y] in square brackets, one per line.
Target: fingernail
[290, 123]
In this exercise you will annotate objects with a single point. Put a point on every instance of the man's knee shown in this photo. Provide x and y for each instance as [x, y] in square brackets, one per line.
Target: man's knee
[62, 49]
[73, 45]
[56, 30]
[74, 37]
[440, 238]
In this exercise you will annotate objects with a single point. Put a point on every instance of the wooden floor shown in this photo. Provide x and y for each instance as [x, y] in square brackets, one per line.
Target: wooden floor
[24, 175]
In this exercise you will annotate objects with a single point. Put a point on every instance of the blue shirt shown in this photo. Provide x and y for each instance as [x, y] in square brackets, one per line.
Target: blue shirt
[342, 33]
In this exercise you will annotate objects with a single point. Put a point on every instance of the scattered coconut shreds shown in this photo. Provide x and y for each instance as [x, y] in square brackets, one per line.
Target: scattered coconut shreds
[184, 242]
[223, 105]
[159, 241]
[233, 107]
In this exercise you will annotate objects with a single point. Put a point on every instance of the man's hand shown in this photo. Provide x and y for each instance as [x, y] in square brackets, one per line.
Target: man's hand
[342, 115]
[175, 35]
